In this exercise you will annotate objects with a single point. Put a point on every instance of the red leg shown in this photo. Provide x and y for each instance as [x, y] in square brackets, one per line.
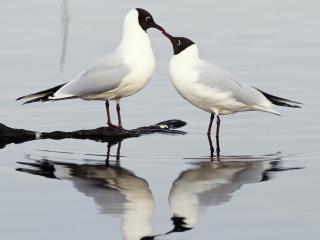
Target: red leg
[108, 112]
[218, 126]
[119, 114]
[109, 115]
[211, 147]
[218, 148]
[210, 124]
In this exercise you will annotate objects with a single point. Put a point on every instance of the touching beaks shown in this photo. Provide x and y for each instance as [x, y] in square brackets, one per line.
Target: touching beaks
[161, 29]
[168, 35]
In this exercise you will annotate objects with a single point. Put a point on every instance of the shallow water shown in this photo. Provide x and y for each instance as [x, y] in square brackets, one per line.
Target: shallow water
[266, 182]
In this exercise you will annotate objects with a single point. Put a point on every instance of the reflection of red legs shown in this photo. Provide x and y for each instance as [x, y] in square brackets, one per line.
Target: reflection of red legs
[117, 155]
[119, 113]
[108, 154]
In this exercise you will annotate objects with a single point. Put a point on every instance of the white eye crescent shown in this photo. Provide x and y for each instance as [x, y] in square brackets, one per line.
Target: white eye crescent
[178, 43]
[148, 18]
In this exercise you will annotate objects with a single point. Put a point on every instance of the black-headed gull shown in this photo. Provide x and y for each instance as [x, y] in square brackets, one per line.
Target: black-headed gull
[122, 73]
[211, 88]
[115, 190]
[211, 184]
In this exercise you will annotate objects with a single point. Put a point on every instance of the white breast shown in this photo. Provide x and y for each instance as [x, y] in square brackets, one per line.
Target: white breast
[142, 64]
[137, 51]
[183, 74]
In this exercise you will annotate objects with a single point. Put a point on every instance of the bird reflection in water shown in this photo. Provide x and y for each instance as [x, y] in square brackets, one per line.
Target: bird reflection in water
[118, 191]
[211, 183]
[115, 190]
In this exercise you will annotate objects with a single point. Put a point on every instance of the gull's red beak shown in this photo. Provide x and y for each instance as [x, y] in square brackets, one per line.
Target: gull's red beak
[168, 35]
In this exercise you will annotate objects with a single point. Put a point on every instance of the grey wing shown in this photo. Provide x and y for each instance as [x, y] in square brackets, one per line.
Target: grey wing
[217, 78]
[104, 76]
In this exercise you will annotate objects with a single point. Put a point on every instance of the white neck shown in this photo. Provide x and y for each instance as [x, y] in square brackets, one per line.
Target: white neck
[188, 56]
[134, 38]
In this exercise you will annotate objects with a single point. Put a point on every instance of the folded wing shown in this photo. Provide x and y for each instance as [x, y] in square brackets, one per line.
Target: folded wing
[215, 77]
[104, 76]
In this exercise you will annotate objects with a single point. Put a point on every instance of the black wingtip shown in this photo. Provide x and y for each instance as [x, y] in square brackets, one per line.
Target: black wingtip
[42, 96]
[284, 104]
[40, 99]
[280, 101]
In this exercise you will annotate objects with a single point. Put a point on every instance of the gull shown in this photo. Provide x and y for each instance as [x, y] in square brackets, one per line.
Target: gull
[121, 74]
[214, 183]
[115, 190]
[213, 89]
[210, 183]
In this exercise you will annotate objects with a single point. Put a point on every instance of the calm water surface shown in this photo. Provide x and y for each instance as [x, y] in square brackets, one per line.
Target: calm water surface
[266, 182]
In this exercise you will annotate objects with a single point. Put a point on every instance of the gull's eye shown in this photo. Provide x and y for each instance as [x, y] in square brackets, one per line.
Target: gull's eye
[148, 18]
[178, 43]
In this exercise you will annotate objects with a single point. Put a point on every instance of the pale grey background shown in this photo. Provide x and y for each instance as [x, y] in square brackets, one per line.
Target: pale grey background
[273, 45]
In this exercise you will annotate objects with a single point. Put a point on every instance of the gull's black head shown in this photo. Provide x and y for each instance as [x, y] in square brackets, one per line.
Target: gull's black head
[179, 43]
[146, 20]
